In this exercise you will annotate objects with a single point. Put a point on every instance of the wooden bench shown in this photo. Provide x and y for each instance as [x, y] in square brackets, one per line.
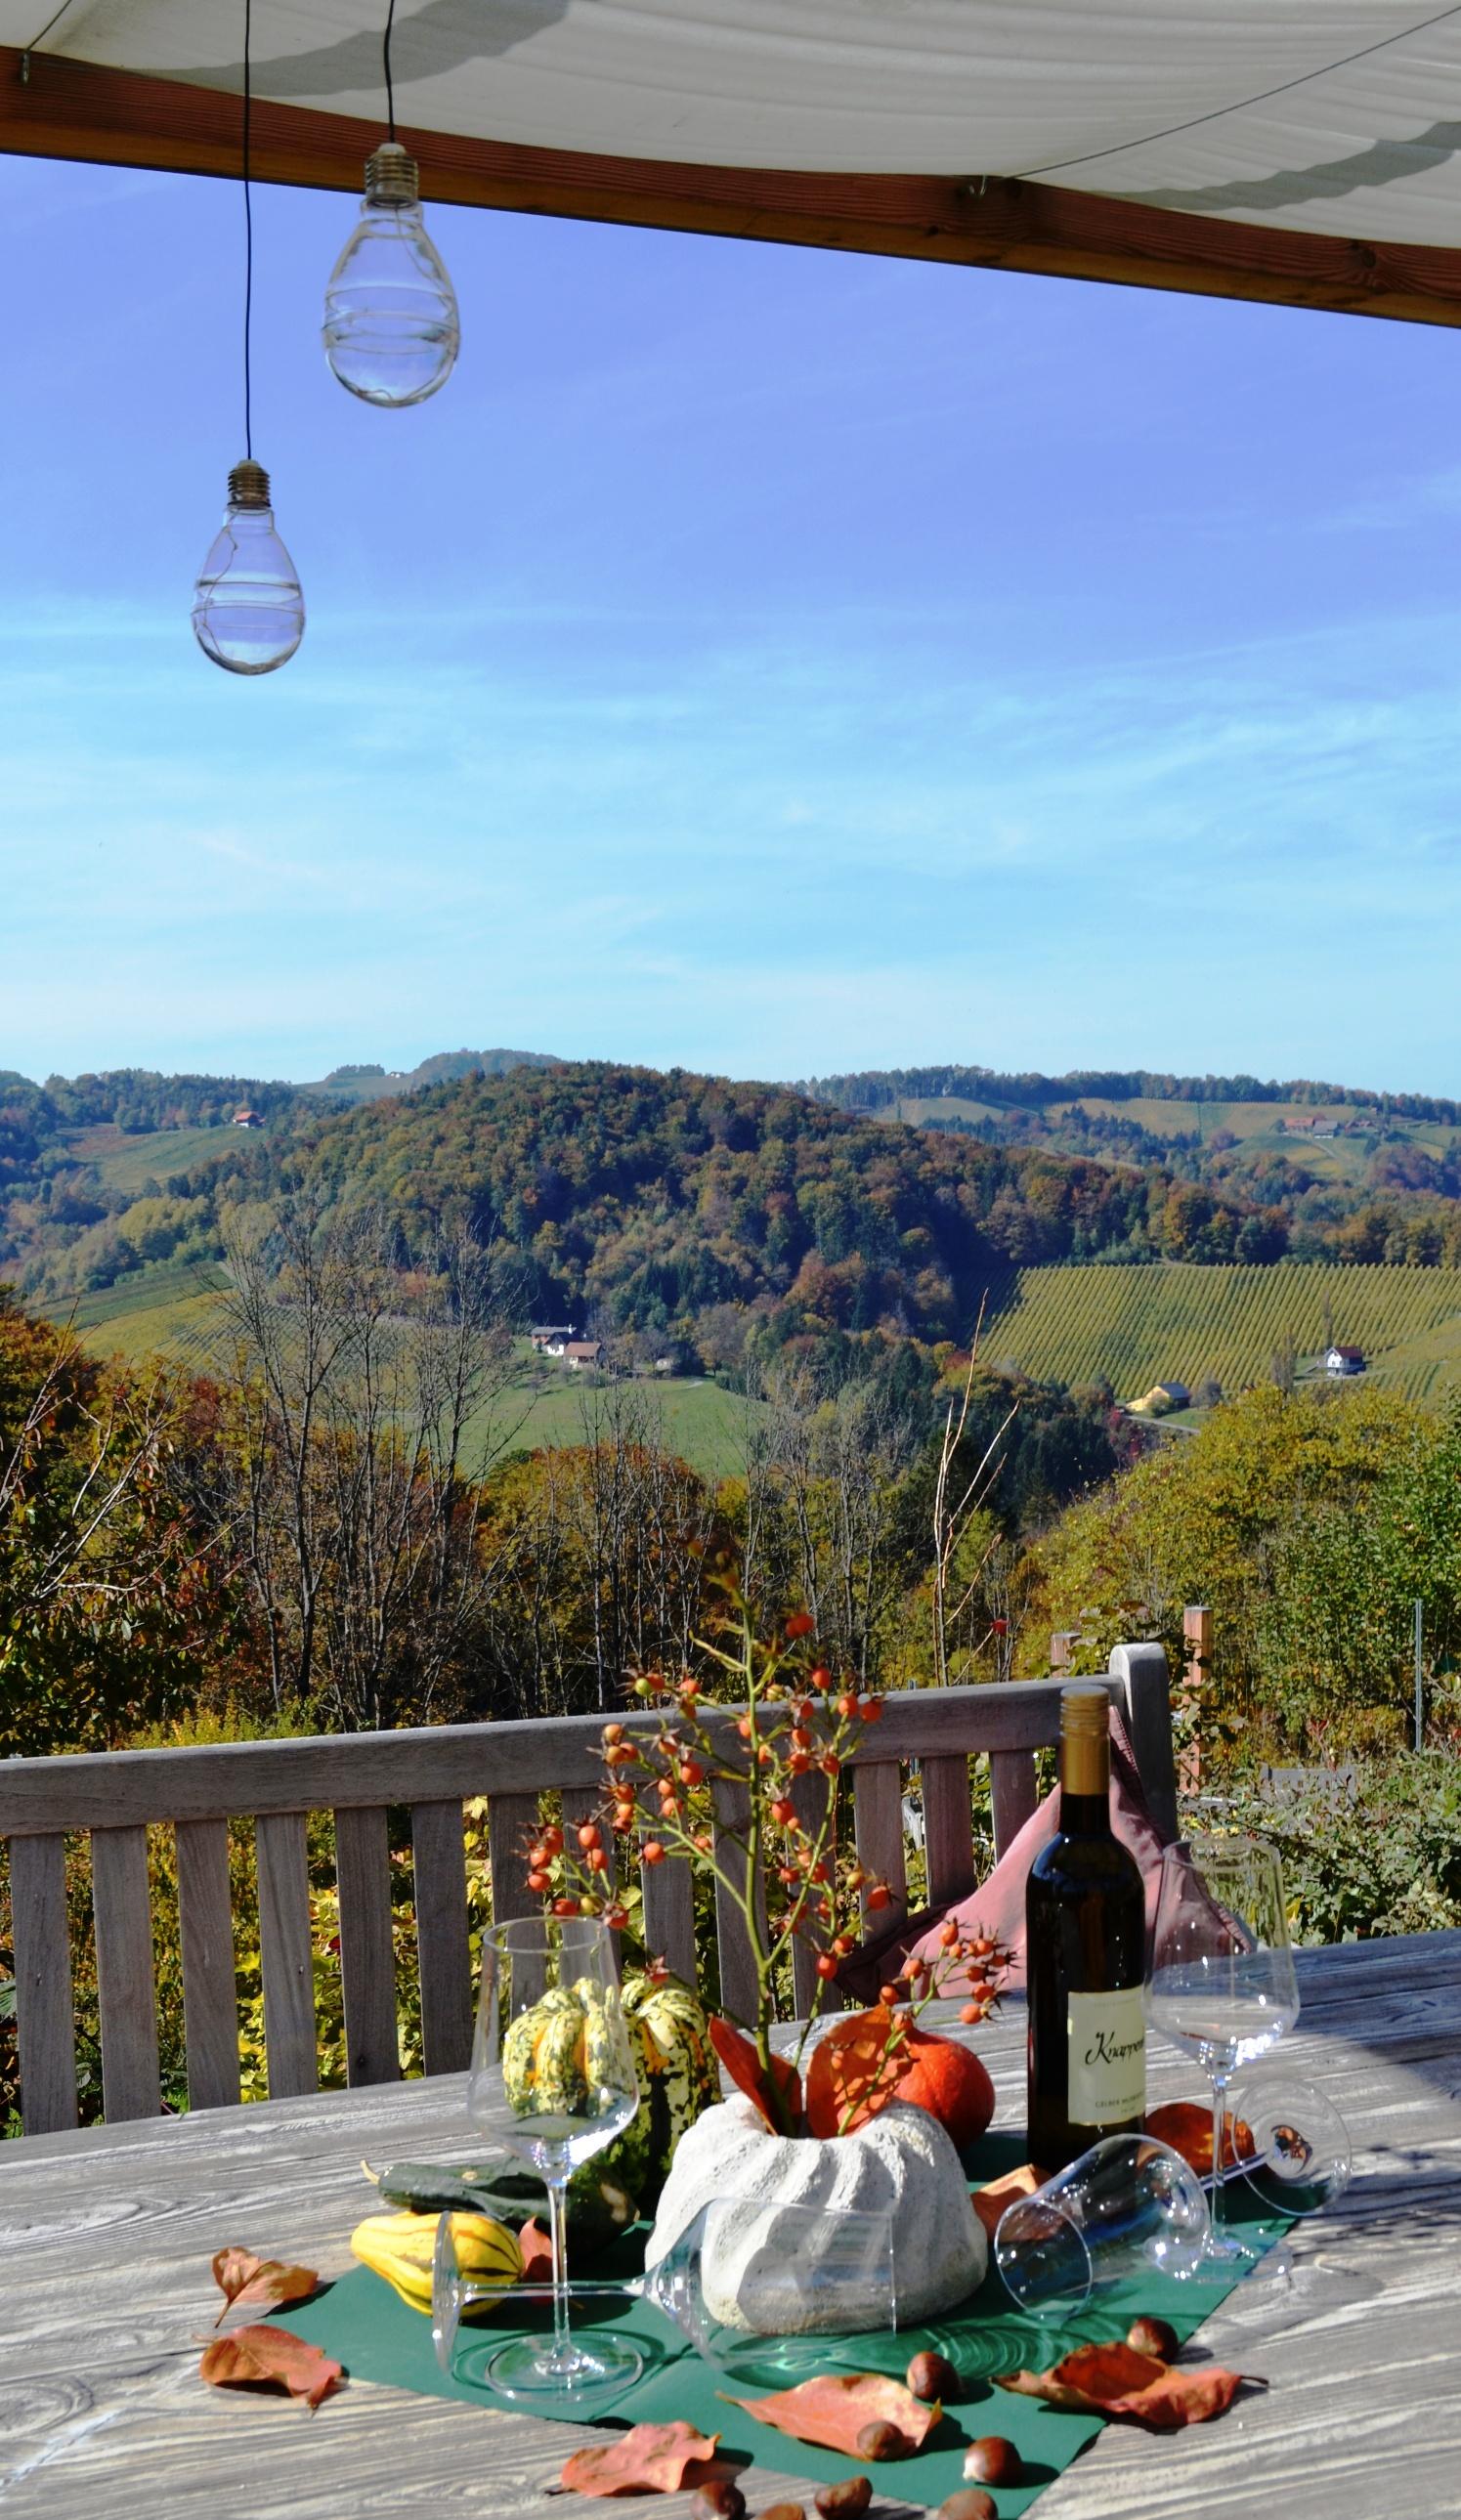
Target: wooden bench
[117, 1796]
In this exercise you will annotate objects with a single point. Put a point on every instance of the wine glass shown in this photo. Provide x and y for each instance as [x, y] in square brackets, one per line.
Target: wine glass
[1291, 2143]
[553, 2080]
[768, 2292]
[1129, 2208]
[1221, 1982]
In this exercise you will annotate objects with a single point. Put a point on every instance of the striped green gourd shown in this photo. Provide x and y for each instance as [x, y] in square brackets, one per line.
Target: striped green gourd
[548, 2058]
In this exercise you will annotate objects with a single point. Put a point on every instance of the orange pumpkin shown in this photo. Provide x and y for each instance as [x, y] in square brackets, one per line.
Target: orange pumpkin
[849, 2078]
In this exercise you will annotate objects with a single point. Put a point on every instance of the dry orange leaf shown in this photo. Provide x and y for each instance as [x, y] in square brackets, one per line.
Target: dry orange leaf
[1137, 2388]
[744, 2066]
[989, 2202]
[832, 2411]
[1187, 2128]
[538, 2254]
[267, 2283]
[270, 2357]
[649, 2458]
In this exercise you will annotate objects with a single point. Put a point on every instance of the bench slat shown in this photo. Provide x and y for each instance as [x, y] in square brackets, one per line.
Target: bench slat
[45, 2019]
[512, 1819]
[738, 1980]
[285, 1954]
[429, 1763]
[211, 1996]
[367, 1958]
[948, 1824]
[1013, 1793]
[878, 1822]
[583, 1803]
[810, 1795]
[444, 1955]
[126, 1997]
[669, 1913]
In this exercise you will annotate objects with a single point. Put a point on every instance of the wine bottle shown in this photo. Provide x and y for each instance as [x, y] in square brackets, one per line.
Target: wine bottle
[1085, 1942]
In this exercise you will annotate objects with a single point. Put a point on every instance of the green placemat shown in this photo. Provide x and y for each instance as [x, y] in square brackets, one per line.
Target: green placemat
[360, 2322]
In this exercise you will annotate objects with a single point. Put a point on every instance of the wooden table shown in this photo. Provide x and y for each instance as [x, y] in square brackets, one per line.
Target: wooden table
[104, 2292]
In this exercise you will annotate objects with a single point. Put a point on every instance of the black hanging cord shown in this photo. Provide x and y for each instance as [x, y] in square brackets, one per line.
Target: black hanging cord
[385, 57]
[247, 236]
[37, 40]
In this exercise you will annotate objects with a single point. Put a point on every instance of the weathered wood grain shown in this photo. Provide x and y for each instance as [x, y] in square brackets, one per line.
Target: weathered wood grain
[669, 1913]
[439, 1892]
[126, 1999]
[287, 1959]
[431, 1764]
[106, 2235]
[1013, 1793]
[1140, 1672]
[45, 2020]
[738, 1977]
[585, 1803]
[367, 1958]
[210, 1995]
[809, 1797]
[948, 1826]
[877, 1833]
[512, 1819]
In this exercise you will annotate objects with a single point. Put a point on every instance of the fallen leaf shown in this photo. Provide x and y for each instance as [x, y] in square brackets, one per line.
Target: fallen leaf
[1186, 2127]
[271, 2357]
[832, 2411]
[1136, 2388]
[267, 2283]
[989, 2202]
[744, 2066]
[538, 2254]
[649, 2458]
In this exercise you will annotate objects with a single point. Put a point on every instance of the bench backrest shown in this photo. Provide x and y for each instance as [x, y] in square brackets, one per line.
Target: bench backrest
[116, 1797]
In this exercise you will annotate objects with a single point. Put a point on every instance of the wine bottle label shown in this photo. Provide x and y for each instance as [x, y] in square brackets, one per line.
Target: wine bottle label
[1106, 2057]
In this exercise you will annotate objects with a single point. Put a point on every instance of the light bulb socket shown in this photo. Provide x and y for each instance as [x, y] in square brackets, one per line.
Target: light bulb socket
[392, 177]
[249, 485]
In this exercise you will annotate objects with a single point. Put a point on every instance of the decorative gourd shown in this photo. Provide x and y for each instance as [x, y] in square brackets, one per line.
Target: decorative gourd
[901, 2163]
[547, 2060]
[951, 2083]
[600, 2208]
[675, 2063]
[939, 2075]
[401, 2246]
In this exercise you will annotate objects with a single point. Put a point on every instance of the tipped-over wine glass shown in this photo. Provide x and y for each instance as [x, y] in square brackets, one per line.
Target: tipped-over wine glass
[1221, 1982]
[553, 2081]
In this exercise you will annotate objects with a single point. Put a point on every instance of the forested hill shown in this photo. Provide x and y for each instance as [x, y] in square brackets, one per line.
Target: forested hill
[688, 1202]
[1359, 1176]
[876, 1088]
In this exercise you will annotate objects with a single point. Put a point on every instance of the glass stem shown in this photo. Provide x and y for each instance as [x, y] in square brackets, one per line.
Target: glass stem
[1219, 2129]
[563, 2356]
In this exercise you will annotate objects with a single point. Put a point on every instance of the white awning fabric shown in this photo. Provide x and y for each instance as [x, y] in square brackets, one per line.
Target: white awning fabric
[1329, 119]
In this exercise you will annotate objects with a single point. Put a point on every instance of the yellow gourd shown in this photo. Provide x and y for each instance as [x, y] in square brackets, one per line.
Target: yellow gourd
[400, 2247]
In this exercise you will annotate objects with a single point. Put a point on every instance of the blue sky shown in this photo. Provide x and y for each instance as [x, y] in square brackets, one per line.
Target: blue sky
[767, 661]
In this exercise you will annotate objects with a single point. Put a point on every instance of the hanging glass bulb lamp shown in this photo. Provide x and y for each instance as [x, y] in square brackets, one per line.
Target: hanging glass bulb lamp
[248, 607]
[390, 329]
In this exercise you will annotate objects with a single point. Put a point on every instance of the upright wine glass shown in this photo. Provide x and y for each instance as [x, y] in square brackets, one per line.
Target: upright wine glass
[1222, 1981]
[553, 2080]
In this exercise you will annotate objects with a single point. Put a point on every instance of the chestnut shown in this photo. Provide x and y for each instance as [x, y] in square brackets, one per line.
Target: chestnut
[933, 2377]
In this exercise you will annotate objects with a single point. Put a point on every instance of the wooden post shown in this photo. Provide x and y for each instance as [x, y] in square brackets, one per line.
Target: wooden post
[1197, 1633]
[1062, 1646]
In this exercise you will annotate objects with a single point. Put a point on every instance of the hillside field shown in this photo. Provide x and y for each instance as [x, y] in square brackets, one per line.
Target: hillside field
[1132, 1327]
[701, 1421]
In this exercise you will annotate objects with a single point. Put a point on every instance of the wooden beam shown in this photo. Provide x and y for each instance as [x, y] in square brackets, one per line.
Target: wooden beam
[77, 110]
